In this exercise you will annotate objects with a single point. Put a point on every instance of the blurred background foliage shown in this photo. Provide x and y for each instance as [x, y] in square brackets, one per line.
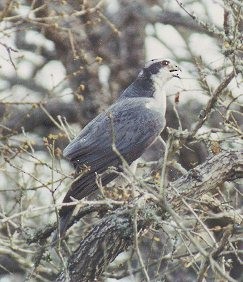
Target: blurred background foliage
[63, 62]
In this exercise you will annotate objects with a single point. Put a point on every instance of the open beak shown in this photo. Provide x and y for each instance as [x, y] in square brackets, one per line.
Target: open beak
[175, 72]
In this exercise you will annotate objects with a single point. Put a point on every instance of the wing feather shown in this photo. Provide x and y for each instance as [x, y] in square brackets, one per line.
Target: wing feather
[130, 124]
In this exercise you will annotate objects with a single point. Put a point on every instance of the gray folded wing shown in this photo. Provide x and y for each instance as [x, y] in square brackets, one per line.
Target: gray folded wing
[128, 124]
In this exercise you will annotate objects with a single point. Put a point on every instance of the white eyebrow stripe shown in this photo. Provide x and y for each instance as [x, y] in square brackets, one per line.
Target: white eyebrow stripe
[151, 62]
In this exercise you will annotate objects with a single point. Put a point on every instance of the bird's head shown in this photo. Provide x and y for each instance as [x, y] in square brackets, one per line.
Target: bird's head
[160, 70]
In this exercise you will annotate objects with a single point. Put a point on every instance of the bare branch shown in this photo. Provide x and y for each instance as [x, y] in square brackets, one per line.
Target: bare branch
[115, 231]
[212, 101]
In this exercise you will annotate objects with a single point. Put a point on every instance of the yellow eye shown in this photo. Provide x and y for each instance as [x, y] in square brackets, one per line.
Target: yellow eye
[165, 63]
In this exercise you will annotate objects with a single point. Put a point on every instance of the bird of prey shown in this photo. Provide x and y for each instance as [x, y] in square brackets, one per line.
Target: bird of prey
[131, 124]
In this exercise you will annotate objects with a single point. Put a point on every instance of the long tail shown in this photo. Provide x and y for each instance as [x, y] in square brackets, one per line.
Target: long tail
[62, 228]
[80, 188]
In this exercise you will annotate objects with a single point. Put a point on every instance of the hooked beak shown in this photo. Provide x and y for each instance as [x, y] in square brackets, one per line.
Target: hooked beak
[175, 74]
[176, 70]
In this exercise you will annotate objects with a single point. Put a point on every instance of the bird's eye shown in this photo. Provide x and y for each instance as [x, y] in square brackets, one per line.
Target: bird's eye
[165, 63]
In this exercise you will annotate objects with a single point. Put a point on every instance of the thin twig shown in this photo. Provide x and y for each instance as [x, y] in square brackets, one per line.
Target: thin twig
[212, 102]
[9, 50]
[143, 268]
